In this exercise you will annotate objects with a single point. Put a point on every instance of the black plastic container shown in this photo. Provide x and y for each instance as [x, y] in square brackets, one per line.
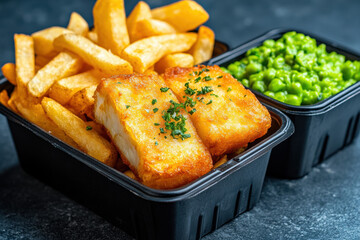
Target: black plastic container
[321, 129]
[188, 212]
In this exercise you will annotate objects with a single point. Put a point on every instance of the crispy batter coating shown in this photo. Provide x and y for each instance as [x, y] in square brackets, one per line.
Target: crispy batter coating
[124, 105]
[228, 117]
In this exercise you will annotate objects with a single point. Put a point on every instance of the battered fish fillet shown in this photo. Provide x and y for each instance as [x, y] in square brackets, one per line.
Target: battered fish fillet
[131, 109]
[227, 115]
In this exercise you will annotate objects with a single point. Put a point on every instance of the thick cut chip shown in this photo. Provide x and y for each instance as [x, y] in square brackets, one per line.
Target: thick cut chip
[13, 98]
[140, 12]
[92, 35]
[9, 72]
[63, 65]
[183, 15]
[92, 54]
[4, 98]
[63, 90]
[227, 116]
[87, 139]
[43, 40]
[25, 61]
[151, 27]
[110, 25]
[174, 60]
[146, 52]
[204, 45]
[35, 114]
[83, 102]
[131, 108]
[77, 24]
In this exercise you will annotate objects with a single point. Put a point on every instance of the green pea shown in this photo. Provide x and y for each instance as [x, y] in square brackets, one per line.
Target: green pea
[259, 86]
[269, 75]
[245, 82]
[280, 96]
[348, 70]
[276, 85]
[256, 77]
[279, 62]
[269, 43]
[269, 94]
[233, 68]
[294, 88]
[253, 68]
[310, 97]
[293, 100]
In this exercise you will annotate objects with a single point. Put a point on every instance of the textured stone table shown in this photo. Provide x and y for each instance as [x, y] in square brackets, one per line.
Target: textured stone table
[323, 205]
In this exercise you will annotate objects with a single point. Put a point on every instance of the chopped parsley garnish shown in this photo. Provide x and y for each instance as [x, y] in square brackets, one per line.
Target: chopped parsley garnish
[127, 106]
[204, 90]
[164, 89]
[188, 90]
[119, 82]
[157, 124]
[219, 85]
[88, 128]
[156, 143]
[197, 79]
[153, 101]
[155, 110]
[162, 130]
[192, 111]
[229, 89]
[219, 77]
[214, 95]
[207, 78]
[209, 102]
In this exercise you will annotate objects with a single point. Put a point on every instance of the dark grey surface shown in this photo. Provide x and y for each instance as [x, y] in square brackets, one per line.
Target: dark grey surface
[323, 205]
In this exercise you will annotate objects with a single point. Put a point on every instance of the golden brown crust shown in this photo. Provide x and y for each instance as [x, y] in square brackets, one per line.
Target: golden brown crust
[172, 162]
[233, 119]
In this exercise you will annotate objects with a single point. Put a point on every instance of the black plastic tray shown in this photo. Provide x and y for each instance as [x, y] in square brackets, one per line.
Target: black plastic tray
[321, 129]
[188, 212]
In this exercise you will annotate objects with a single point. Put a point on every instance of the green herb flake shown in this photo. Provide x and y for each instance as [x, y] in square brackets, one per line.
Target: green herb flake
[118, 82]
[155, 110]
[219, 77]
[157, 124]
[164, 89]
[153, 101]
[207, 78]
[88, 128]
[156, 143]
[219, 85]
[192, 111]
[229, 89]
[197, 79]
[127, 106]
[209, 102]
[188, 90]
[204, 90]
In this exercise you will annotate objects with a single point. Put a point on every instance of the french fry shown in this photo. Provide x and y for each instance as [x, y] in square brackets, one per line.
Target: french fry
[204, 45]
[13, 98]
[140, 12]
[25, 61]
[110, 25]
[220, 162]
[183, 15]
[130, 174]
[35, 114]
[92, 54]
[4, 98]
[63, 65]
[151, 27]
[63, 90]
[98, 128]
[41, 61]
[9, 72]
[83, 102]
[92, 35]
[43, 40]
[77, 24]
[88, 140]
[146, 52]
[174, 60]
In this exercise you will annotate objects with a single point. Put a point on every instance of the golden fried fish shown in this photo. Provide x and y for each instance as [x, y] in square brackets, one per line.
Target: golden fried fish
[226, 115]
[151, 130]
